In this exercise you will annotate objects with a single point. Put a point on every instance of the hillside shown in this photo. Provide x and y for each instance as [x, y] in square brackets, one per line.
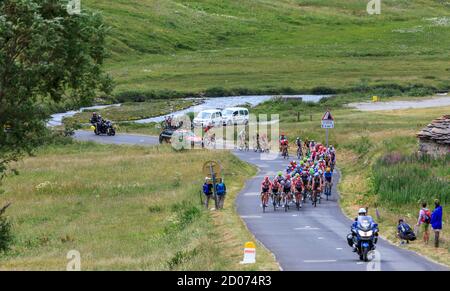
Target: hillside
[192, 46]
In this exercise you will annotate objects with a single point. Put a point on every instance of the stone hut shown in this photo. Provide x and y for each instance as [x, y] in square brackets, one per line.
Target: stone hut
[434, 139]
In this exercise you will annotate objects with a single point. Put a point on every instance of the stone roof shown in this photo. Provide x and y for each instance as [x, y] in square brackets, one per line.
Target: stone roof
[437, 131]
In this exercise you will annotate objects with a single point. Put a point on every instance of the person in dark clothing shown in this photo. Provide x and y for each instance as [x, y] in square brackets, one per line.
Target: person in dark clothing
[95, 118]
[207, 190]
[405, 232]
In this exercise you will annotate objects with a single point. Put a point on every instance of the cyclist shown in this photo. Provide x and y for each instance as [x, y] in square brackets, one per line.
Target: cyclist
[284, 148]
[316, 186]
[287, 188]
[332, 159]
[298, 142]
[328, 176]
[266, 186]
[293, 165]
[305, 183]
[276, 190]
[297, 189]
[283, 138]
[279, 177]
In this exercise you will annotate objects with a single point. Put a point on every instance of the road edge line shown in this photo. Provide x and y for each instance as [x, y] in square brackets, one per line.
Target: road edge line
[245, 224]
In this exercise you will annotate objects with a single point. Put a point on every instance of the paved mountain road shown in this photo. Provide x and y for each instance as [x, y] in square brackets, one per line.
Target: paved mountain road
[309, 239]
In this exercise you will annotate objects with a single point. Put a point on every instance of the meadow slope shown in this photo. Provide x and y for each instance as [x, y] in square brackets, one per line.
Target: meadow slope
[274, 46]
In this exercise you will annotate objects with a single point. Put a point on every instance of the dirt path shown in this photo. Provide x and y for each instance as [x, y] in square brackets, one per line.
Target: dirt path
[395, 105]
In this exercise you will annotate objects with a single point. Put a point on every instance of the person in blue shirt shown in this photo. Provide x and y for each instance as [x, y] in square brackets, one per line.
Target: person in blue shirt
[436, 221]
[207, 190]
[221, 191]
[328, 175]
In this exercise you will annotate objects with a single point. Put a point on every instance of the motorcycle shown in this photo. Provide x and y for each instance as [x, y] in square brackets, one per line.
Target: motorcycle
[105, 128]
[364, 237]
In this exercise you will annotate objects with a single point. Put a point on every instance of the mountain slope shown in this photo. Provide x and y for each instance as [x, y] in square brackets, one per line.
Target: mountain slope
[265, 45]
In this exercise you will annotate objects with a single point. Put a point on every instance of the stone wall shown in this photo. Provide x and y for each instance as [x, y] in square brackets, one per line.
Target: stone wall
[433, 149]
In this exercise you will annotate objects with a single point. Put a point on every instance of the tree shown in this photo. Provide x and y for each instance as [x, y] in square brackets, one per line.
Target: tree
[46, 56]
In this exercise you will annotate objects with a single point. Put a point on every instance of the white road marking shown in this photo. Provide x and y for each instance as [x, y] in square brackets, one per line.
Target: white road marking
[320, 237]
[307, 228]
[252, 194]
[319, 261]
[294, 215]
[359, 263]
[251, 216]
[339, 249]
[141, 140]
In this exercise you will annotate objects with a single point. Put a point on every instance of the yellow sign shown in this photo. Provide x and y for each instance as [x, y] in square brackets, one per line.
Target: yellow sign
[375, 99]
[214, 166]
[250, 245]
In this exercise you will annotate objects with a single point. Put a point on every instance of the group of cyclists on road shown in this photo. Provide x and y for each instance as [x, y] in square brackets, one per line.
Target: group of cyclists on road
[305, 178]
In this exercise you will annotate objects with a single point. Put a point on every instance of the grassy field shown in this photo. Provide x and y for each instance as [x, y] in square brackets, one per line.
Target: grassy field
[124, 208]
[363, 139]
[274, 46]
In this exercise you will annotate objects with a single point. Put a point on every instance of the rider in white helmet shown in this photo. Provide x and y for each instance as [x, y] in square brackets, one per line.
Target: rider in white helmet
[361, 212]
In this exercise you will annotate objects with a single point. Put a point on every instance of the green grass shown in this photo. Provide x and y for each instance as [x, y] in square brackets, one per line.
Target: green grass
[124, 208]
[274, 46]
[401, 179]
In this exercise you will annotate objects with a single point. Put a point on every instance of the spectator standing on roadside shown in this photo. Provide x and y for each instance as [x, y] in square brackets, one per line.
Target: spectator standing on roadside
[424, 222]
[436, 221]
[207, 190]
[221, 191]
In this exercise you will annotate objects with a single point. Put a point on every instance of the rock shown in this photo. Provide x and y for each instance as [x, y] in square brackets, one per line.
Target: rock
[435, 138]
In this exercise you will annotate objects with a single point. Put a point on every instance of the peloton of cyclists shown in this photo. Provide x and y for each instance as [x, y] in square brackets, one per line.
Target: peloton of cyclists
[308, 177]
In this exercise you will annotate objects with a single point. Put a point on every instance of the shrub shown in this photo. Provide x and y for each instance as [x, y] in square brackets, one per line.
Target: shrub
[323, 91]
[5, 231]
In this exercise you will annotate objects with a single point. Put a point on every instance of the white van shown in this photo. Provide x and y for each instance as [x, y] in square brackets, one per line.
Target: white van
[235, 115]
[208, 117]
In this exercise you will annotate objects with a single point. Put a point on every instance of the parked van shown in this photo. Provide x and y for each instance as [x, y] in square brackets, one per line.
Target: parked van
[235, 115]
[208, 117]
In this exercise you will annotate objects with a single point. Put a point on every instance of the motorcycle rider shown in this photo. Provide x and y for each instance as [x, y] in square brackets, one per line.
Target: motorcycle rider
[351, 240]
[95, 118]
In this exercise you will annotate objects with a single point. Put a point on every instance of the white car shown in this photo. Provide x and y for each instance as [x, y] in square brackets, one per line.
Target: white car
[208, 117]
[235, 115]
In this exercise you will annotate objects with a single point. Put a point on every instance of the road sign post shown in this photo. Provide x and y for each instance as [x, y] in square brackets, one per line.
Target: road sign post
[327, 123]
[213, 170]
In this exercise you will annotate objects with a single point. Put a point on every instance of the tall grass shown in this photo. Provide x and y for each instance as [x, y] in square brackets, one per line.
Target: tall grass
[402, 179]
[123, 208]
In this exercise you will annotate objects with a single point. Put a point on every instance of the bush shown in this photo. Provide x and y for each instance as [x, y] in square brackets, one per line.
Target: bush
[323, 91]
[5, 231]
